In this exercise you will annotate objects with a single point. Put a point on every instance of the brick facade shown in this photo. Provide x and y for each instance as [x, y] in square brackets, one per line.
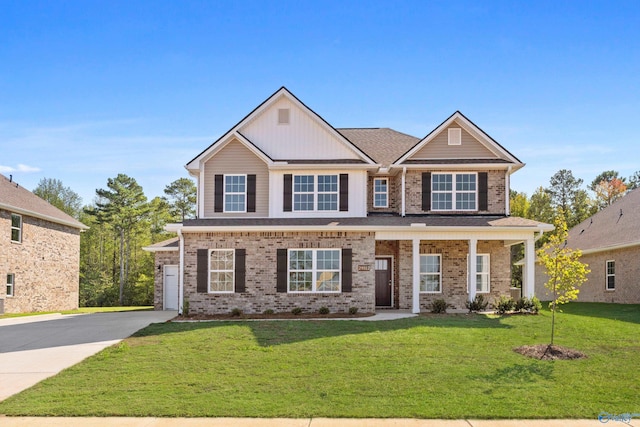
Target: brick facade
[162, 258]
[45, 264]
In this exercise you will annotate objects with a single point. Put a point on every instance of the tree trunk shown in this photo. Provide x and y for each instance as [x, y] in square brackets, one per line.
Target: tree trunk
[122, 266]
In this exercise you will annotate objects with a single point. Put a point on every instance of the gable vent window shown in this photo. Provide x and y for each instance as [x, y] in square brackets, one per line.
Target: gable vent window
[283, 116]
[455, 136]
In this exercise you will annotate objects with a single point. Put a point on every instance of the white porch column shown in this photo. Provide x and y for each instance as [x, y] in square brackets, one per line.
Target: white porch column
[528, 269]
[473, 268]
[416, 276]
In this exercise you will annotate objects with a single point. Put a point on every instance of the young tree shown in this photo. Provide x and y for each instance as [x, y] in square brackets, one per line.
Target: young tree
[182, 194]
[63, 198]
[565, 272]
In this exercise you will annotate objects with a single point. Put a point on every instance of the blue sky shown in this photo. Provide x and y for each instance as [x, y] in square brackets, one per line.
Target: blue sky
[90, 89]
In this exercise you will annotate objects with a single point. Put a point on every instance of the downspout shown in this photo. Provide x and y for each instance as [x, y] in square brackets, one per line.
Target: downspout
[404, 173]
[181, 274]
[507, 201]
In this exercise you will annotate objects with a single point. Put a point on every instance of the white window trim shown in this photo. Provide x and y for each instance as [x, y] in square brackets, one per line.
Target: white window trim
[19, 228]
[488, 274]
[454, 192]
[233, 271]
[11, 284]
[314, 270]
[439, 274]
[225, 193]
[315, 192]
[607, 275]
[386, 193]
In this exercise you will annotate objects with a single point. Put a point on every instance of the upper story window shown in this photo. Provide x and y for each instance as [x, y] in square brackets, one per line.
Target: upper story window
[380, 193]
[454, 191]
[315, 192]
[610, 275]
[11, 278]
[235, 193]
[16, 228]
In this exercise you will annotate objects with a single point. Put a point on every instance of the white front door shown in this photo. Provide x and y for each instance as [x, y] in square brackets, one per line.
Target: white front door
[170, 290]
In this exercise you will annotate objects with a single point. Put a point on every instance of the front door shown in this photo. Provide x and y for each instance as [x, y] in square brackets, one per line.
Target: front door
[170, 287]
[383, 282]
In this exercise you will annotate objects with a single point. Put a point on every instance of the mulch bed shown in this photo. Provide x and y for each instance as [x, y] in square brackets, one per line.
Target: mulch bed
[549, 352]
[274, 316]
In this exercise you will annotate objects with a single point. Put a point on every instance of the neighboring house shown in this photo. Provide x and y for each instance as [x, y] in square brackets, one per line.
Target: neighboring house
[610, 245]
[39, 253]
[293, 212]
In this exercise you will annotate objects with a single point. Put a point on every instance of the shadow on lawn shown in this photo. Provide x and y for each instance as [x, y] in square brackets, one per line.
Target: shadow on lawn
[623, 312]
[269, 333]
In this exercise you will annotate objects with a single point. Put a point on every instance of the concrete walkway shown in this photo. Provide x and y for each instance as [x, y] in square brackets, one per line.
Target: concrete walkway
[33, 348]
[286, 422]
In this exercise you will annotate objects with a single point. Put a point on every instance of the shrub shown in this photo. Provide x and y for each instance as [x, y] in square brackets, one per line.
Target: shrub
[268, 312]
[236, 312]
[439, 306]
[528, 305]
[323, 310]
[353, 310]
[504, 304]
[520, 305]
[296, 311]
[185, 307]
[478, 304]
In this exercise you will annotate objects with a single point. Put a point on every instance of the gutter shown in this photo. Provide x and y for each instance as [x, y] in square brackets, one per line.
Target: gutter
[73, 224]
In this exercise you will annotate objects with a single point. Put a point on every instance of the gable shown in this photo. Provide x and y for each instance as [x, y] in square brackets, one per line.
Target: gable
[304, 137]
[439, 148]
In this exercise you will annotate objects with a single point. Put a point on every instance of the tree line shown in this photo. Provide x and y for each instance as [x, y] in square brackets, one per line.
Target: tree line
[114, 270]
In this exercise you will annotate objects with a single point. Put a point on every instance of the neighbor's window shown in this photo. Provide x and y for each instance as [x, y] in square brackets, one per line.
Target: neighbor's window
[315, 193]
[221, 268]
[16, 228]
[454, 191]
[430, 273]
[11, 278]
[380, 193]
[235, 193]
[483, 278]
[611, 275]
[314, 270]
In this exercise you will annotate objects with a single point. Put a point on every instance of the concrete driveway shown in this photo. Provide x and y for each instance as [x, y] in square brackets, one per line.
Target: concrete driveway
[36, 347]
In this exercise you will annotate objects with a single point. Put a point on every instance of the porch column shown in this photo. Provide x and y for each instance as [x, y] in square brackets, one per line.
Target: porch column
[528, 269]
[416, 276]
[473, 268]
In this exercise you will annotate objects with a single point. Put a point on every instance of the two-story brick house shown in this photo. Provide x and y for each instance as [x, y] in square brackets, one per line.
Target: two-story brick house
[293, 212]
[39, 253]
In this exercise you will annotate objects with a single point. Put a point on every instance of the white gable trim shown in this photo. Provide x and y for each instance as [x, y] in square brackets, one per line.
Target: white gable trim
[471, 128]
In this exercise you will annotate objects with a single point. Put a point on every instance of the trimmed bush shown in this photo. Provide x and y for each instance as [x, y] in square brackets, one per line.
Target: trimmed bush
[353, 310]
[268, 312]
[296, 311]
[504, 304]
[478, 303]
[323, 310]
[439, 306]
[236, 312]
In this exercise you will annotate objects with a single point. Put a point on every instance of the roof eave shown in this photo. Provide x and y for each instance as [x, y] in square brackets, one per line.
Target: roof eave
[73, 224]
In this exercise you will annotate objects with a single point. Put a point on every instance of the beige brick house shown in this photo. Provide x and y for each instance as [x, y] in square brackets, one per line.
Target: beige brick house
[610, 245]
[39, 253]
[293, 212]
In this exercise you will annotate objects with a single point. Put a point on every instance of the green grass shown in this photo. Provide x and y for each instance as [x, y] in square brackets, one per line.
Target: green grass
[435, 366]
[80, 311]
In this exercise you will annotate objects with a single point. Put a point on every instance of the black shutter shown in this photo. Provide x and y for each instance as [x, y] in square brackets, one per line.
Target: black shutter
[202, 276]
[281, 280]
[288, 193]
[240, 269]
[426, 191]
[251, 193]
[344, 192]
[346, 270]
[483, 191]
[218, 188]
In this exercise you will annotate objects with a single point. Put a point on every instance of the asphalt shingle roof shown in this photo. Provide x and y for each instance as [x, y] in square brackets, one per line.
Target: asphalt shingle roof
[383, 145]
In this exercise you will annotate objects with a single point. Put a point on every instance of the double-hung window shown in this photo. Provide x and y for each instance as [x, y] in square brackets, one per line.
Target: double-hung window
[16, 228]
[380, 193]
[430, 273]
[11, 279]
[235, 193]
[610, 275]
[221, 270]
[314, 270]
[454, 191]
[315, 192]
[483, 276]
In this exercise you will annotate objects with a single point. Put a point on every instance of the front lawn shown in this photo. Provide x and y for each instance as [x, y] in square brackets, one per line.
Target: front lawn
[434, 366]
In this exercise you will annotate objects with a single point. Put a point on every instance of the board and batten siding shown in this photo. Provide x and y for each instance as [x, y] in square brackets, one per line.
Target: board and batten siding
[235, 158]
[357, 194]
[439, 148]
[305, 137]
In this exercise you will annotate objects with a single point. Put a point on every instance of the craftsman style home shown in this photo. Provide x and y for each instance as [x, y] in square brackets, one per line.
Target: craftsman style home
[293, 212]
[610, 245]
[39, 253]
